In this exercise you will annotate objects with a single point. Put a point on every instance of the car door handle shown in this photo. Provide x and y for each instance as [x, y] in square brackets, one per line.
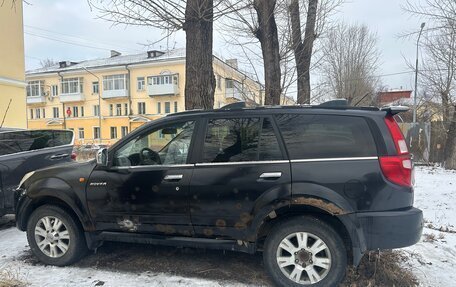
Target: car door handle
[59, 156]
[173, 177]
[271, 175]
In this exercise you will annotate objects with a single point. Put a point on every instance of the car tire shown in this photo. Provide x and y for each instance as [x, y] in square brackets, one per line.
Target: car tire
[55, 237]
[320, 261]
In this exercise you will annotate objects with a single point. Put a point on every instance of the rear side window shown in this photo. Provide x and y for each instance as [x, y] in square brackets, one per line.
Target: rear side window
[21, 141]
[326, 136]
[240, 139]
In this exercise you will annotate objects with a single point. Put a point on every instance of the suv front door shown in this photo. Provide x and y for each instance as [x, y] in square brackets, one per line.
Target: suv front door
[241, 166]
[146, 187]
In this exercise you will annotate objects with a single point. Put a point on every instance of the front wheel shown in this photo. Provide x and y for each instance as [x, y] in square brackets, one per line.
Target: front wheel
[54, 236]
[305, 251]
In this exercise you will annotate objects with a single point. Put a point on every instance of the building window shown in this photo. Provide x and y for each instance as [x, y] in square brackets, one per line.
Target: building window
[54, 90]
[31, 114]
[44, 113]
[141, 83]
[114, 82]
[159, 109]
[96, 110]
[113, 132]
[118, 109]
[35, 89]
[82, 111]
[126, 109]
[38, 113]
[81, 133]
[167, 107]
[163, 80]
[141, 108]
[55, 113]
[72, 86]
[75, 112]
[229, 84]
[219, 82]
[95, 87]
[175, 107]
[96, 132]
[111, 110]
[124, 131]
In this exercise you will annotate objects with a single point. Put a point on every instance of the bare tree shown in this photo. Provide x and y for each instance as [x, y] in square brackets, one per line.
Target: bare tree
[266, 32]
[303, 49]
[195, 17]
[438, 74]
[350, 62]
[46, 63]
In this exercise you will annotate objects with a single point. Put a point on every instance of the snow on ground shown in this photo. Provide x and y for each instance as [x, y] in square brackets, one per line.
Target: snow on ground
[14, 245]
[433, 259]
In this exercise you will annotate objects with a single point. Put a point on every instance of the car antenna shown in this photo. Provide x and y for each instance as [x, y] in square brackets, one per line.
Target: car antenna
[6, 112]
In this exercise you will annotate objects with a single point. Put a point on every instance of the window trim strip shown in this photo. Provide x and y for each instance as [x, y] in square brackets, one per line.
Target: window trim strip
[334, 159]
[241, 162]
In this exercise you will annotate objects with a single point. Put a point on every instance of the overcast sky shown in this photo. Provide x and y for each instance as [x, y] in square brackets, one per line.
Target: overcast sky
[53, 28]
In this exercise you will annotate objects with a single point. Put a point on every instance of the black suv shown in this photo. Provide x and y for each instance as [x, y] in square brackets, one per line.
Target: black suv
[312, 187]
[22, 151]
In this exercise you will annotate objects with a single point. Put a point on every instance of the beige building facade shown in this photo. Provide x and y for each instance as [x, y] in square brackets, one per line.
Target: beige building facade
[103, 100]
[12, 70]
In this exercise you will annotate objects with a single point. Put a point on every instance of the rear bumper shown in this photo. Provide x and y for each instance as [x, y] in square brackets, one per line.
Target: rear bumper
[391, 229]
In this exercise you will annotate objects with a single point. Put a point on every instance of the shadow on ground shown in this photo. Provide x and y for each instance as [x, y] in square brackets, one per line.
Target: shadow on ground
[223, 267]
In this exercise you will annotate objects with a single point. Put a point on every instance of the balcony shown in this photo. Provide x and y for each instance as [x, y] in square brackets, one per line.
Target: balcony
[36, 100]
[73, 97]
[110, 94]
[163, 90]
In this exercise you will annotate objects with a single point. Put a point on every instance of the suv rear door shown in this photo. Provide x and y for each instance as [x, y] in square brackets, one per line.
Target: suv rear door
[25, 151]
[240, 167]
[333, 157]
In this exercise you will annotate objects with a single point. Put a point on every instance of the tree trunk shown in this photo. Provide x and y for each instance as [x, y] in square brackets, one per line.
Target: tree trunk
[303, 50]
[450, 150]
[199, 73]
[269, 40]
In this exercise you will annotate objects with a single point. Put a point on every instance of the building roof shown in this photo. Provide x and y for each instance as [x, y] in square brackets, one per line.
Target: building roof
[393, 96]
[113, 61]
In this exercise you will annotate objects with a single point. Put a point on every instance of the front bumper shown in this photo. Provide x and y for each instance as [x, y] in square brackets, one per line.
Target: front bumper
[391, 229]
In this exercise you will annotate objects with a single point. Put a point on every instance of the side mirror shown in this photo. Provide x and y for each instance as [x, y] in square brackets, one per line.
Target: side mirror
[102, 157]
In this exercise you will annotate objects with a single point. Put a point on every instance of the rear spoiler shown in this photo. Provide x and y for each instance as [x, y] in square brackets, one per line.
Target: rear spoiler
[393, 110]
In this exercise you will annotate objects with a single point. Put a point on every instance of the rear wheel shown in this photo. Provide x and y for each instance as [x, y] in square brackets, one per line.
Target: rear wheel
[305, 251]
[54, 236]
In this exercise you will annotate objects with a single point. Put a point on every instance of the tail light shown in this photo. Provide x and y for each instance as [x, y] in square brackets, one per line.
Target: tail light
[397, 168]
[73, 156]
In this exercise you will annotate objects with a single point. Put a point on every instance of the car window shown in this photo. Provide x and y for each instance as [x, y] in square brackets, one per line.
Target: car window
[240, 139]
[21, 141]
[167, 145]
[326, 136]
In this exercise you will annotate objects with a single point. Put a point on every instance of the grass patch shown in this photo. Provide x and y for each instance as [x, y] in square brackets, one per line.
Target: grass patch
[10, 278]
[380, 269]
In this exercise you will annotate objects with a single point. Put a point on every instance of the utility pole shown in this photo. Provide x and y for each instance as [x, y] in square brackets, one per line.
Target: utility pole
[416, 74]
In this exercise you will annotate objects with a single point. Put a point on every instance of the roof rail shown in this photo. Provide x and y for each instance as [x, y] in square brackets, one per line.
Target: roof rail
[393, 110]
[234, 106]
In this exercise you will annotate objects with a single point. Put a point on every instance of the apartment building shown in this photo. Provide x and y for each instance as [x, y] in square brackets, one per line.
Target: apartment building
[12, 71]
[103, 100]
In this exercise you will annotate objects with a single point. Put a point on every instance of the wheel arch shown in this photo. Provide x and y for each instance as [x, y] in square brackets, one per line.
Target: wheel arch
[341, 223]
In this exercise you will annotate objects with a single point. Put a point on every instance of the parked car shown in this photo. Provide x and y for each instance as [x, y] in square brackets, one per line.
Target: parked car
[22, 151]
[313, 188]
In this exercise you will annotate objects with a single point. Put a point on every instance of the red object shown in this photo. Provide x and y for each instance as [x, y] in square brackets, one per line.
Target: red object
[388, 97]
[399, 168]
[73, 156]
[68, 111]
